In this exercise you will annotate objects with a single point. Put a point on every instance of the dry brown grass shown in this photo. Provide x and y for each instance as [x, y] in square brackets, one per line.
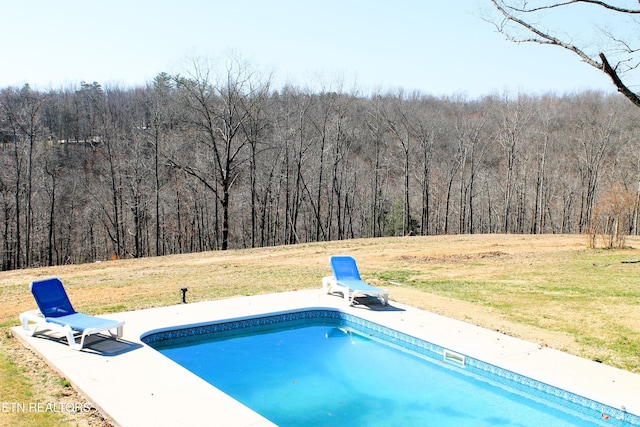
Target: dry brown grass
[549, 289]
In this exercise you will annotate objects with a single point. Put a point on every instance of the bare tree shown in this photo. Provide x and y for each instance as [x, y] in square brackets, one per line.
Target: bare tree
[304, 132]
[21, 110]
[400, 126]
[159, 103]
[617, 53]
[375, 127]
[220, 108]
[597, 131]
[514, 117]
[255, 131]
[472, 143]
[541, 149]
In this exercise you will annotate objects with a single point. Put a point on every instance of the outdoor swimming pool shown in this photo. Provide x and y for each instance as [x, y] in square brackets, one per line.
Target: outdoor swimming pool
[325, 367]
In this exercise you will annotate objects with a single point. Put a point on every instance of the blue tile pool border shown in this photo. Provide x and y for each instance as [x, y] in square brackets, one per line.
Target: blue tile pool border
[579, 405]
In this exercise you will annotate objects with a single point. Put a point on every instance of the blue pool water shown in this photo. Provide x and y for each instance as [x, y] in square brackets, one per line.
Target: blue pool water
[330, 370]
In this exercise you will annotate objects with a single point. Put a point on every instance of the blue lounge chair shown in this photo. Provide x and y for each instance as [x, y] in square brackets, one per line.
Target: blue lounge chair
[346, 279]
[57, 314]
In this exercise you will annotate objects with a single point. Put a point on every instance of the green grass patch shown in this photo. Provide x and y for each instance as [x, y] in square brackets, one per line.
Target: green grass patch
[402, 277]
[17, 398]
[63, 382]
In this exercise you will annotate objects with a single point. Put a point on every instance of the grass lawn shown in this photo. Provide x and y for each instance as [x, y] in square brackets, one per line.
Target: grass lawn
[548, 289]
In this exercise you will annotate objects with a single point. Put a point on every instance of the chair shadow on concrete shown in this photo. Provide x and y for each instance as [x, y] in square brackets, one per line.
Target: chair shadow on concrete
[373, 303]
[100, 344]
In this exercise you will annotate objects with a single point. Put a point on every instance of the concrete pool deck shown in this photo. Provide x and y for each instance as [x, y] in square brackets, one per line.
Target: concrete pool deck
[134, 385]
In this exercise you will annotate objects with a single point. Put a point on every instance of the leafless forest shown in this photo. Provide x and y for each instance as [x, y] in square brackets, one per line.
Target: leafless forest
[216, 160]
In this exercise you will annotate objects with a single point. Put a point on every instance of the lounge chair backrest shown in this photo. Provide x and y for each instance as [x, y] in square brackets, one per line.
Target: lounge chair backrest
[344, 268]
[51, 297]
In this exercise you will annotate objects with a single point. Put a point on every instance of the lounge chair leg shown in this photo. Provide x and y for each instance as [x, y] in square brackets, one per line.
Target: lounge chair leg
[118, 333]
[26, 329]
[71, 340]
[355, 294]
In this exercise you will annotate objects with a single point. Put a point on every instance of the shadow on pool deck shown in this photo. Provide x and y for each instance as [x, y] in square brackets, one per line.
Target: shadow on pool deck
[100, 344]
[374, 304]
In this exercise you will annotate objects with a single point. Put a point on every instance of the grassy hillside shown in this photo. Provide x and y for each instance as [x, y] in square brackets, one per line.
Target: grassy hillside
[547, 289]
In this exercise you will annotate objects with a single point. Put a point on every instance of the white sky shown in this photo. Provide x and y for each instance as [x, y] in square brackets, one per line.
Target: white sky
[438, 47]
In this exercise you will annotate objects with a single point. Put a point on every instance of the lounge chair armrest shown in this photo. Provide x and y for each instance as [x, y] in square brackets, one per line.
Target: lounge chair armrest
[31, 316]
[327, 283]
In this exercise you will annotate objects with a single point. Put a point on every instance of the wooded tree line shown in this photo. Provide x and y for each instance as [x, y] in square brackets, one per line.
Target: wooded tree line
[216, 160]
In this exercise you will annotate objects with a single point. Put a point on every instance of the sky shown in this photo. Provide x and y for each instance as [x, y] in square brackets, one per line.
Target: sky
[440, 48]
